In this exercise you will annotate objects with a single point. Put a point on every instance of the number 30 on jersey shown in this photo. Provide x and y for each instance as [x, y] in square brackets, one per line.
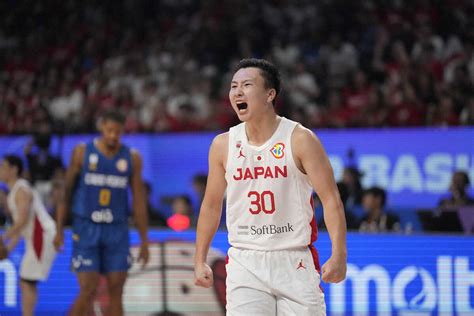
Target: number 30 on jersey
[264, 201]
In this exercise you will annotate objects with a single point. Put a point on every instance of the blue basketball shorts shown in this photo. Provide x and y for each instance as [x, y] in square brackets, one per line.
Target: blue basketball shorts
[100, 247]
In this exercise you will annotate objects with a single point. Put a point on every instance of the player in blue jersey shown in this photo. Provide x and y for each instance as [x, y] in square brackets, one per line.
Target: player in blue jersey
[97, 182]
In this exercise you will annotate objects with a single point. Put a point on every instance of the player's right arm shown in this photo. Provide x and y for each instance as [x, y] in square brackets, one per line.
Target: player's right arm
[23, 198]
[211, 209]
[72, 173]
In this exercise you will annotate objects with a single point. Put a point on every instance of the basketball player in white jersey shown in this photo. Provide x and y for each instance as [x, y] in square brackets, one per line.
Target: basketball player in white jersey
[270, 166]
[32, 222]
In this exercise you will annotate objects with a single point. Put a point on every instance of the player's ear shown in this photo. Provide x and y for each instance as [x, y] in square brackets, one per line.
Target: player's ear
[271, 95]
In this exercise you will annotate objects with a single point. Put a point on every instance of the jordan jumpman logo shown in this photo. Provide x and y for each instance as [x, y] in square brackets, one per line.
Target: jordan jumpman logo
[300, 265]
[241, 153]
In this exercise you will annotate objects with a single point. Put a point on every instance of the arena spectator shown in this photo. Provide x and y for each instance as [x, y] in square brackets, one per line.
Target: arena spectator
[41, 163]
[376, 218]
[458, 192]
[199, 186]
[155, 218]
[183, 215]
[351, 182]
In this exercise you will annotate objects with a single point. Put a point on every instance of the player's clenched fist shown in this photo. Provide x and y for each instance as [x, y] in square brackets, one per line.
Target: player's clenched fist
[203, 275]
[334, 270]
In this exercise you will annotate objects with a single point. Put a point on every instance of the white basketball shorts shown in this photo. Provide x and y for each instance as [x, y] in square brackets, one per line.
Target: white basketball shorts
[269, 283]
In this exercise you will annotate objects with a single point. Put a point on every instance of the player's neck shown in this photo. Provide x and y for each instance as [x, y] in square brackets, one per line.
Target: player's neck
[105, 150]
[259, 131]
[11, 182]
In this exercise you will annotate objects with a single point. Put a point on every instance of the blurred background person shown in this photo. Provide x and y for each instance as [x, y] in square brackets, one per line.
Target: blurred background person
[31, 222]
[155, 218]
[199, 187]
[458, 192]
[42, 165]
[183, 215]
[352, 186]
[377, 220]
[99, 179]
[351, 219]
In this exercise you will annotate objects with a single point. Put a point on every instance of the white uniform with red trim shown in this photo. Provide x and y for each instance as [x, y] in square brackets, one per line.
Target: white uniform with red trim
[271, 225]
[38, 235]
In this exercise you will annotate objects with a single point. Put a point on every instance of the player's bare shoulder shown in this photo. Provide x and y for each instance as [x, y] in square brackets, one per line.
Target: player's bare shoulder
[303, 137]
[221, 141]
[81, 148]
[305, 145]
[78, 153]
[23, 193]
[135, 154]
[136, 160]
[219, 148]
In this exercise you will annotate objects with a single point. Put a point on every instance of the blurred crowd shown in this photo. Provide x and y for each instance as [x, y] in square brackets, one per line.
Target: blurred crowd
[167, 63]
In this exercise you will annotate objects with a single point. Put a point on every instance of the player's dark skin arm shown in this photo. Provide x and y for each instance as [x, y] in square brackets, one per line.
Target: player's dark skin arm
[62, 210]
[139, 207]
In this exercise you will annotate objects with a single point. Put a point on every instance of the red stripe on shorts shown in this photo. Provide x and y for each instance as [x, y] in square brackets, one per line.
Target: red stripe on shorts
[314, 254]
[314, 237]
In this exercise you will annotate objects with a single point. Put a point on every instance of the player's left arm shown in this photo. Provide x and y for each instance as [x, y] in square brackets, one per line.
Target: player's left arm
[139, 206]
[312, 160]
[23, 198]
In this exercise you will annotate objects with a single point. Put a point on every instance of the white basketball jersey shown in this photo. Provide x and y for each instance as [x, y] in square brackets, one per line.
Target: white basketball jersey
[269, 205]
[39, 219]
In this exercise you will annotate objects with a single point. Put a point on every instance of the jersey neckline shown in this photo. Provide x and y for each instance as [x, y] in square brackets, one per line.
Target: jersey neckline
[18, 183]
[268, 141]
[94, 143]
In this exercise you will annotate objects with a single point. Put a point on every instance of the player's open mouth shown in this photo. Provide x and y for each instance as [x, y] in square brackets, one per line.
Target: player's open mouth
[242, 106]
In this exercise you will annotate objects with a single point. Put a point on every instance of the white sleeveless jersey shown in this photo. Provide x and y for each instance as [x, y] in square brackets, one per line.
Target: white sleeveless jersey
[39, 220]
[269, 204]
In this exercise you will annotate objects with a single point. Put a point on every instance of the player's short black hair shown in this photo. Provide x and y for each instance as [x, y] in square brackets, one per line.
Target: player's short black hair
[269, 72]
[113, 115]
[15, 161]
[378, 193]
